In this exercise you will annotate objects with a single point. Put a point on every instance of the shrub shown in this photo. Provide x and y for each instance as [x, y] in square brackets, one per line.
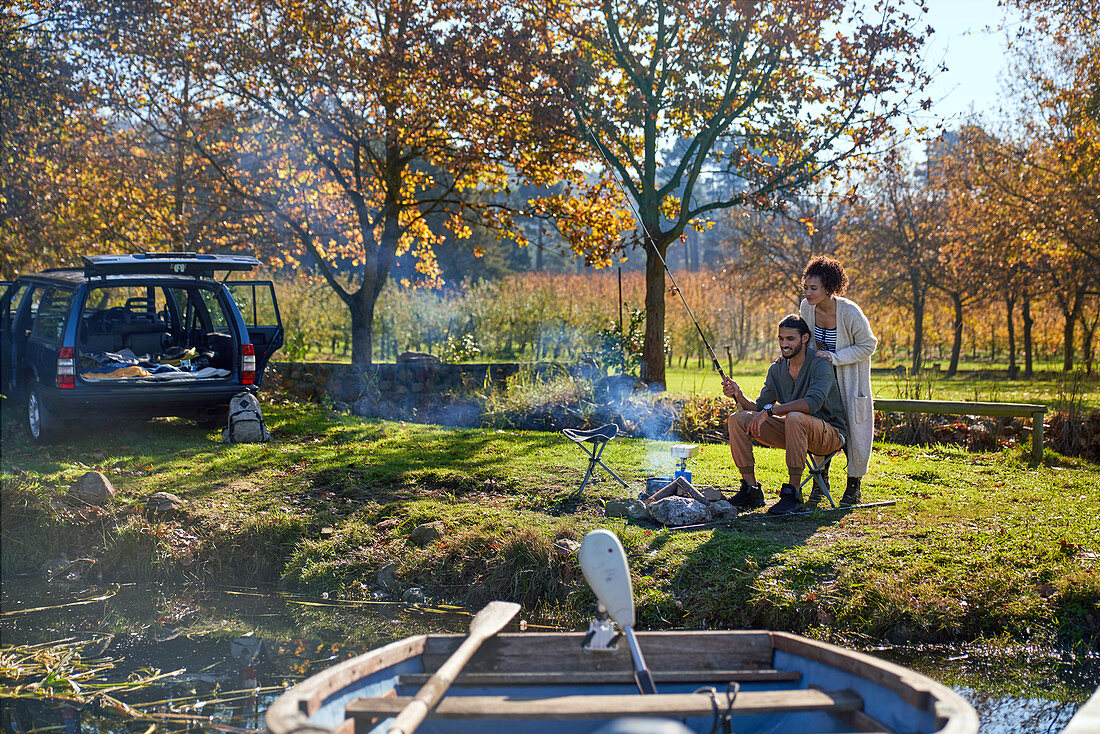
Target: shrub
[137, 550]
[702, 418]
[31, 534]
[1073, 433]
[459, 349]
[619, 351]
[546, 402]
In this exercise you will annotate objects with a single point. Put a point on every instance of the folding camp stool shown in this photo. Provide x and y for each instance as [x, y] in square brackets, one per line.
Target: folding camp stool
[819, 472]
[599, 438]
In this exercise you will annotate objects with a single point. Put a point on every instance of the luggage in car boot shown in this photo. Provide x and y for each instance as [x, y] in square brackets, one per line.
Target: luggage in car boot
[246, 421]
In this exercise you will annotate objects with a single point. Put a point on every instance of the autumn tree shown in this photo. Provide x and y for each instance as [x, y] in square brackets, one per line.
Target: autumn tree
[992, 243]
[1015, 256]
[1046, 171]
[43, 106]
[767, 95]
[968, 261]
[351, 128]
[88, 174]
[892, 234]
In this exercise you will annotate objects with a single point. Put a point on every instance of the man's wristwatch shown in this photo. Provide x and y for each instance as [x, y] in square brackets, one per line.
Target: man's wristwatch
[768, 408]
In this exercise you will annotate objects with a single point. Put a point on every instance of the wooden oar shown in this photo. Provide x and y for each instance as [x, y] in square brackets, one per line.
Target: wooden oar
[603, 562]
[484, 625]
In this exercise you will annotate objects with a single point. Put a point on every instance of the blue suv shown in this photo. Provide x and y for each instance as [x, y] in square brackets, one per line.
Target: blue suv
[145, 335]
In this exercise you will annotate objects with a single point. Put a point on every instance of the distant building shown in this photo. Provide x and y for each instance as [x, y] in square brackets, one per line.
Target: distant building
[936, 150]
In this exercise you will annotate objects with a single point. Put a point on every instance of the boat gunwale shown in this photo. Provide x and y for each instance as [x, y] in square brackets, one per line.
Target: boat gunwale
[290, 712]
[1087, 718]
[917, 689]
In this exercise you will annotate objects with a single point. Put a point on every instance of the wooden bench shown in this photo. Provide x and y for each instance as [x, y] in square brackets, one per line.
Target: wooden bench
[964, 407]
[672, 705]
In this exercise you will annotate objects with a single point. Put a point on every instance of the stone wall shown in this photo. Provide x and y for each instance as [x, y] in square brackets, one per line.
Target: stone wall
[375, 389]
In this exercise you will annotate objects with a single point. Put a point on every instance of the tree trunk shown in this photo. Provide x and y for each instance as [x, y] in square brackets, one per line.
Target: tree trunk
[378, 264]
[957, 329]
[918, 325]
[653, 347]
[1068, 332]
[362, 328]
[1087, 341]
[1025, 314]
[1010, 307]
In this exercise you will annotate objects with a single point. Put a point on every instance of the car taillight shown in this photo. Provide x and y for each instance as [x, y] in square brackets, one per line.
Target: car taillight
[66, 368]
[248, 364]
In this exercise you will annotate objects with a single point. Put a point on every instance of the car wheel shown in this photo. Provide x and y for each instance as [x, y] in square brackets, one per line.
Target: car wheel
[40, 423]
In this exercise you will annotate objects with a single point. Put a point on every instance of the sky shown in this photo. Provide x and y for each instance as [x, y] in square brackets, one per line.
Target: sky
[970, 40]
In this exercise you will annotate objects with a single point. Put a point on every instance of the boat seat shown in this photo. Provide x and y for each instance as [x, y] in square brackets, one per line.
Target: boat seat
[599, 438]
[594, 677]
[672, 705]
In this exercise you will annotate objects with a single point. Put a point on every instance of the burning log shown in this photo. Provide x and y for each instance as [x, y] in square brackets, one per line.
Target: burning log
[677, 487]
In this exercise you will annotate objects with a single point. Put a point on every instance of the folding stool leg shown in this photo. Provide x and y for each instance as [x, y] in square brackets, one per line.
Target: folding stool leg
[597, 459]
[592, 461]
[817, 475]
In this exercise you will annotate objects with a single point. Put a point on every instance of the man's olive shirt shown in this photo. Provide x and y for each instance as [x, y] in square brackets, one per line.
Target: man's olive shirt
[816, 384]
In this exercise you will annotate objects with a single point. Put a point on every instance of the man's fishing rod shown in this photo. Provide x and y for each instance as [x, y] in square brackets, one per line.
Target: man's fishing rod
[649, 239]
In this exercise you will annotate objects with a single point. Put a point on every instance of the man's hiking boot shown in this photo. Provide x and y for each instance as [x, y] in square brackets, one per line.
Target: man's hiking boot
[748, 497]
[852, 494]
[790, 501]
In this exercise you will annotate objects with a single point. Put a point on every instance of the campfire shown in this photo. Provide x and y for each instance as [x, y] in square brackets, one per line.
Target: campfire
[675, 501]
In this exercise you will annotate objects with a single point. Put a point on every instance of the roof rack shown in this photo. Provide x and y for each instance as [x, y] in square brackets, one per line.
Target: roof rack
[197, 264]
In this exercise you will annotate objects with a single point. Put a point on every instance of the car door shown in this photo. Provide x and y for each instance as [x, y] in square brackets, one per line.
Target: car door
[7, 312]
[22, 306]
[260, 310]
[51, 316]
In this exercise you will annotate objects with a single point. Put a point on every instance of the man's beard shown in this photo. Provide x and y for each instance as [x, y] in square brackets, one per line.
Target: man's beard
[795, 352]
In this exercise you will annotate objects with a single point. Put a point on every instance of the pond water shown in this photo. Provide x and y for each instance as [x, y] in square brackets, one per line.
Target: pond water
[155, 658]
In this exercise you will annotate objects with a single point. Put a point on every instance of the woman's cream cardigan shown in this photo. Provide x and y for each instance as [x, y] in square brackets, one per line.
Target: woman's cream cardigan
[854, 346]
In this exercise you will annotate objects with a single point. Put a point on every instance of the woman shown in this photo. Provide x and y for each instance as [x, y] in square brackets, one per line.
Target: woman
[841, 333]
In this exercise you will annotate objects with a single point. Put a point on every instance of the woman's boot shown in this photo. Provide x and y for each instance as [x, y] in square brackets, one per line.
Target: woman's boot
[852, 495]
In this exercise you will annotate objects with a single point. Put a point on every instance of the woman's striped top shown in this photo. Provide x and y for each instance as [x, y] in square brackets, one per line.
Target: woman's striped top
[825, 338]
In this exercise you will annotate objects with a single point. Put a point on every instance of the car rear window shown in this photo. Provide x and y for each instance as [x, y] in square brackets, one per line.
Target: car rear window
[49, 323]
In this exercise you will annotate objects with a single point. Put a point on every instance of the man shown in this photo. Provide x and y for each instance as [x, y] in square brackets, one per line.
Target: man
[799, 409]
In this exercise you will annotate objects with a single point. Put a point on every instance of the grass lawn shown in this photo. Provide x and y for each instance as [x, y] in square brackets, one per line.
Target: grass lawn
[978, 545]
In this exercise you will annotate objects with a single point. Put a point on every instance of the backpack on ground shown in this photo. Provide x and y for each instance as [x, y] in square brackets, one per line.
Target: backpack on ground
[246, 421]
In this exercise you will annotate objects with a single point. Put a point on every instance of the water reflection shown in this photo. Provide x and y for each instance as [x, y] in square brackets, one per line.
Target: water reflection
[171, 659]
[1014, 687]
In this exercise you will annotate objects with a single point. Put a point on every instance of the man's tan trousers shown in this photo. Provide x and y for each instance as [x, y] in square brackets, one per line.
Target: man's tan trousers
[798, 433]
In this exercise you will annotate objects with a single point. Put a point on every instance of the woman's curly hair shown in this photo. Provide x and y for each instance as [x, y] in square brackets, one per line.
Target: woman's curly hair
[830, 272]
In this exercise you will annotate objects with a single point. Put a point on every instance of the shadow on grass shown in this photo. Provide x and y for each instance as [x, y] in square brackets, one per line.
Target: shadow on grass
[740, 577]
